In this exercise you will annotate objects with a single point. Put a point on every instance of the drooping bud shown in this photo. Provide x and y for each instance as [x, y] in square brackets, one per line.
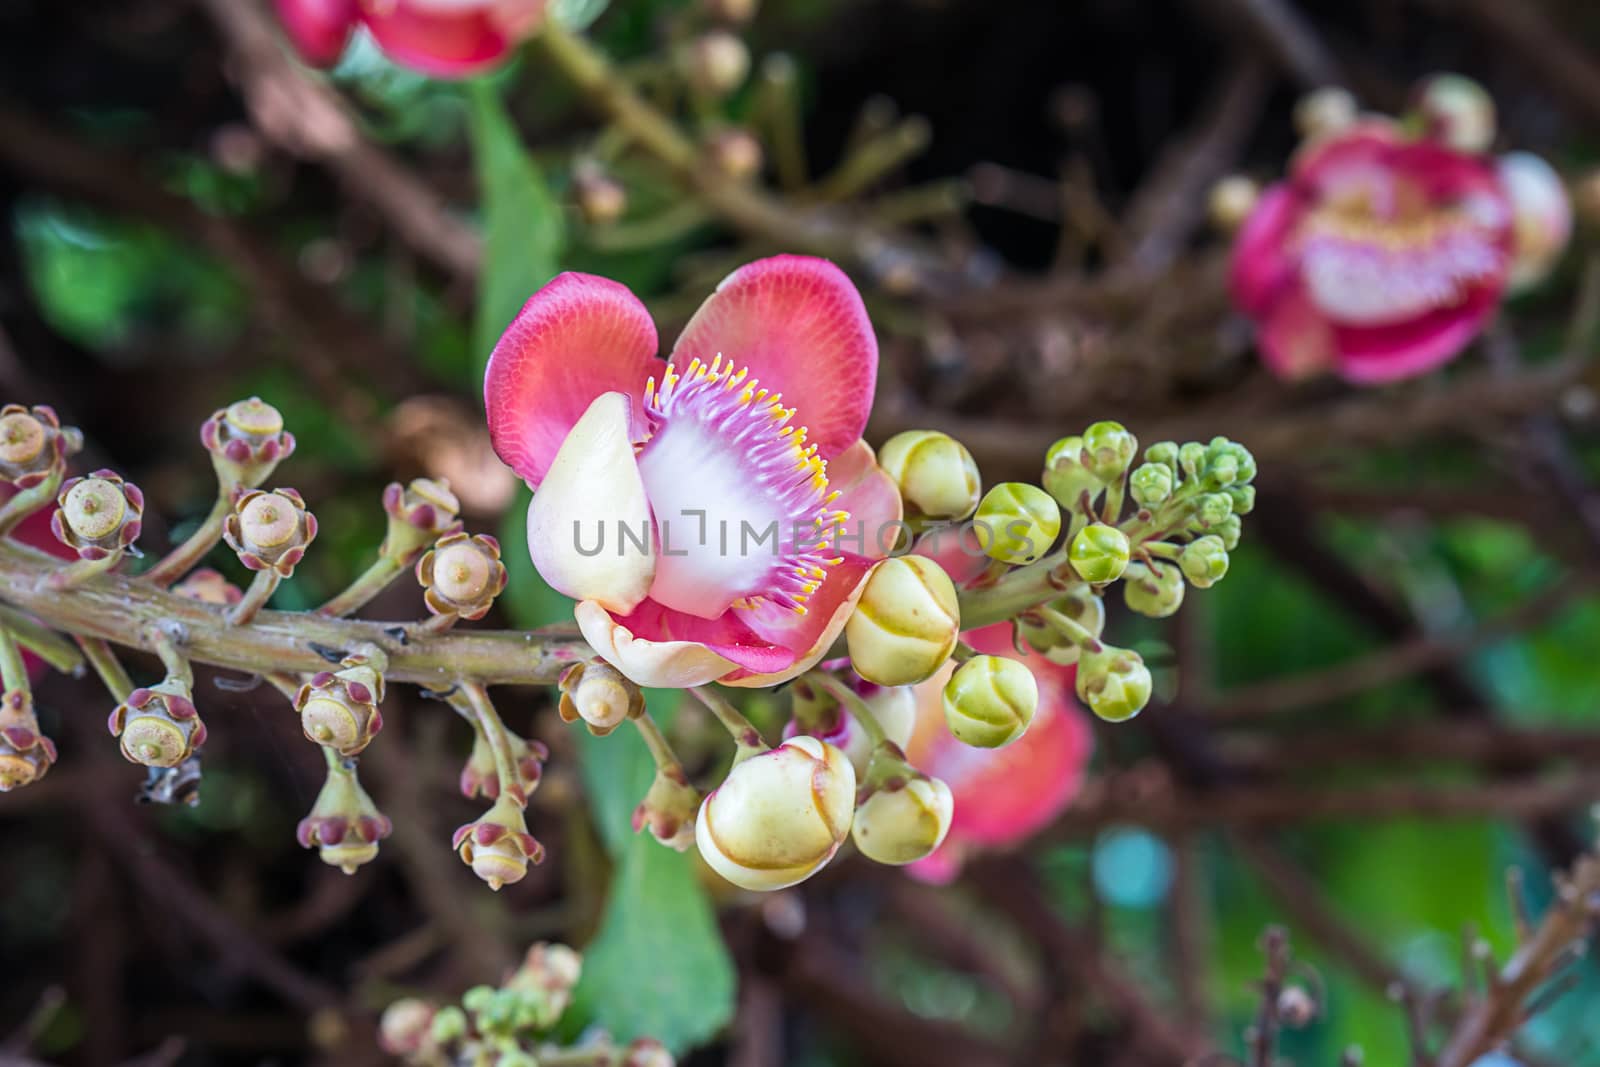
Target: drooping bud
[98, 516]
[420, 513]
[34, 445]
[247, 441]
[159, 726]
[1109, 450]
[1082, 607]
[26, 755]
[668, 809]
[344, 826]
[936, 475]
[818, 714]
[1114, 682]
[1017, 522]
[1456, 111]
[1204, 561]
[480, 776]
[601, 198]
[717, 63]
[209, 587]
[544, 983]
[498, 846]
[1155, 591]
[339, 709]
[779, 816]
[462, 575]
[906, 623]
[597, 693]
[1541, 217]
[1065, 477]
[647, 1052]
[270, 531]
[904, 820]
[1231, 201]
[1324, 112]
[990, 701]
[1151, 484]
[1099, 553]
[735, 153]
[406, 1028]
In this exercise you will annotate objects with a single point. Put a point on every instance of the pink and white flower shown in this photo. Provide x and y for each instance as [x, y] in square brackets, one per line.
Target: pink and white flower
[442, 38]
[736, 508]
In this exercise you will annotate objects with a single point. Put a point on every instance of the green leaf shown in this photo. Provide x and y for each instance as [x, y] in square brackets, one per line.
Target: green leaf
[523, 228]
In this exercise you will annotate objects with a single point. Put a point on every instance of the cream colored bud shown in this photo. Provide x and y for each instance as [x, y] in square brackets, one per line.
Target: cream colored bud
[718, 63]
[597, 693]
[1323, 112]
[1017, 522]
[1541, 217]
[898, 826]
[1457, 111]
[906, 622]
[22, 437]
[935, 473]
[989, 701]
[778, 817]
[1232, 200]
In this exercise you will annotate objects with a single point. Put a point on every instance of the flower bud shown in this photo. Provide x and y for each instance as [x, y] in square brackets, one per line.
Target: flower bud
[498, 846]
[449, 1025]
[1456, 111]
[209, 587]
[906, 622]
[543, 985]
[247, 441]
[1231, 201]
[1243, 498]
[936, 475]
[1065, 478]
[98, 516]
[1017, 522]
[480, 776]
[1151, 484]
[462, 575]
[1541, 217]
[339, 709]
[779, 816]
[1164, 453]
[26, 755]
[33, 445]
[270, 531]
[601, 198]
[1297, 1008]
[735, 153]
[420, 513]
[903, 821]
[1153, 591]
[1229, 530]
[1099, 553]
[1082, 607]
[406, 1027]
[597, 693]
[717, 63]
[668, 808]
[1204, 561]
[1192, 458]
[1114, 682]
[647, 1052]
[817, 714]
[1109, 449]
[1211, 509]
[159, 725]
[344, 826]
[1324, 112]
[989, 701]
[1228, 463]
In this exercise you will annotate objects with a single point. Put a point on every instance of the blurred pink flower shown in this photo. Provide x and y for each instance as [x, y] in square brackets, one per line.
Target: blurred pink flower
[714, 511]
[441, 38]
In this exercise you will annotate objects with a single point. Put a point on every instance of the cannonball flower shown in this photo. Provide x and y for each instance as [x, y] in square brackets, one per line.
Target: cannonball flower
[1380, 257]
[715, 515]
[440, 38]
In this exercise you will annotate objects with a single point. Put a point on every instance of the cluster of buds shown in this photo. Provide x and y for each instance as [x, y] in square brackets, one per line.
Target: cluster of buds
[270, 531]
[34, 446]
[461, 575]
[339, 709]
[420, 513]
[159, 725]
[99, 518]
[344, 826]
[818, 714]
[247, 441]
[597, 693]
[26, 755]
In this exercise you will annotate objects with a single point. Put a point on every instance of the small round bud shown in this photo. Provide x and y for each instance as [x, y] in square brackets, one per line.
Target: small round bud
[1243, 470]
[462, 575]
[449, 1025]
[537, 993]
[33, 445]
[936, 475]
[990, 701]
[209, 587]
[270, 531]
[1229, 530]
[498, 846]
[1151, 484]
[1192, 458]
[98, 516]
[900, 825]
[597, 693]
[736, 154]
[1099, 553]
[1324, 112]
[717, 63]
[1114, 682]
[344, 826]
[1204, 561]
[1017, 522]
[1212, 509]
[906, 622]
[1164, 453]
[158, 726]
[1110, 449]
[420, 513]
[1456, 111]
[1243, 498]
[647, 1052]
[406, 1026]
[779, 816]
[601, 198]
[1153, 591]
[26, 755]
[1231, 201]
[668, 809]
[247, 441]
[1065, 478]
[340, 709]
[1297, 1008]
[1541, 217]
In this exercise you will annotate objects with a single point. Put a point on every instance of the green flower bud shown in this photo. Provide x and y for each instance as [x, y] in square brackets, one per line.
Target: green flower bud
[1065, 477]
[1164, 453]
[1229, 530]
[935, 473]
[449, 1024]
[1243, 497]
[989, 701]
[1155, 592]
[1099, 553]
[1221, 472]
[1082, 607]
[1191, 457]
[1114, 682]
[1110, 449]
[904, 821]
[1151, 484]
[1212, 509]
[906, 622]
[1017, 523]
[1204, 561]
[1245, 463]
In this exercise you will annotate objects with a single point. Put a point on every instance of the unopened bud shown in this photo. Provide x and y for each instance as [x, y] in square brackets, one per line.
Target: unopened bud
[717, 63]
[818, 714]
[158, 726]
[1456, 111]
[1099, 553]
[1229, 530]
[936, 475]
[247, 441]
[647, 1052]
[1204, 561]
[1065, 478]
[33, 445]
[462, 575]
[1151, 484]
[904, 821]
[1017, 522]
[538, 992]
[344, 826]
[270, 531]
[990, 701]
[406, 1027]
[1297, 1008]
[209, 587]
[1109, 450]
[779, 816]
[1114, 682]
[481, 777]
[1192, 458]
[1231, 201]
[498, 846]
[420, 513]
[736, 154]
[1228, 463]
[601, 197]
[1083, 607]
[1211, 510]
[339, 709]
[1324, 112]
[597, 693]
[98, 516]
[668, 809]
[1155, 591]
[1243, 498]
[1541, 217]
[26, 755]
[906, 623]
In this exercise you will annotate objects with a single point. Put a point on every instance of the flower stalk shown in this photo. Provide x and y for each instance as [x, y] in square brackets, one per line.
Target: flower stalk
[743, 732]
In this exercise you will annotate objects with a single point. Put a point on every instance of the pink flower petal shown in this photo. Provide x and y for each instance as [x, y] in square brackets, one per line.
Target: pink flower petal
[1296, 341]
[656, 646]
[319, 29]
[576, 338]
[1370, 356]
[807, 637]
[1263, 264]
[799, 326]
[871, 498]
[957, 551]
[444, 42]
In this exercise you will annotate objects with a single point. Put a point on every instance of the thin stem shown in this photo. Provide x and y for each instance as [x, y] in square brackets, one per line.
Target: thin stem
[42, 642]
[374, 580]
[1111, 506]
[436, 624]
[1071, 630]
[166, 649]
[181, 560]
[12, 670]
[660, 748]
[484, 716]
[836, 688]
[25, 503]
[261, 588]
[107, 666]
[744, 734]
